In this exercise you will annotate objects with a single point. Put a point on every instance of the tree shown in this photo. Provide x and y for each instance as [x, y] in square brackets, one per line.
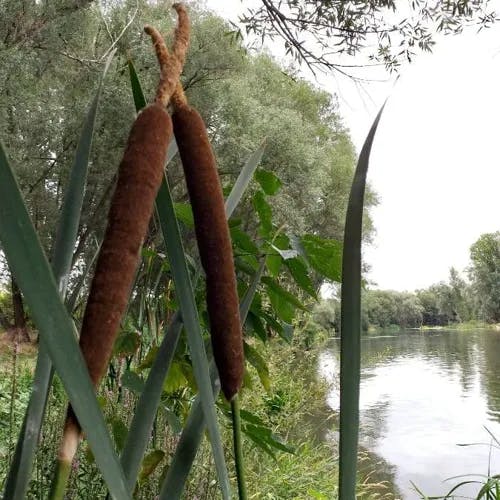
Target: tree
[484, 273]
[320, 32]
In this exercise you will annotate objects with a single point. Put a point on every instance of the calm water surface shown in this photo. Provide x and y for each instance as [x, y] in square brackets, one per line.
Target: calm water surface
[423, 394]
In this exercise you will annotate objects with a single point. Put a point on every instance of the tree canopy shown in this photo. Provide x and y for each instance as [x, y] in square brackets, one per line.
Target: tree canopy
[320, 33]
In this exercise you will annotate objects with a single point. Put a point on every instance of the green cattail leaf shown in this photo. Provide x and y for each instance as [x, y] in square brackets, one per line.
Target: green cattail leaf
[187, 302]
[244, 179]
[20, 471]
[194, 427]
[31, 269]
[350, 344]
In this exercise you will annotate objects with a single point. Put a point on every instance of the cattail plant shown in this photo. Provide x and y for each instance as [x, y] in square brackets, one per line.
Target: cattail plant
[214, 243]
[139, 177]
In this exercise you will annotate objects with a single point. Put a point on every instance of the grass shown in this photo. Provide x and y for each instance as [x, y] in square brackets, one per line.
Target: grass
[294, 408]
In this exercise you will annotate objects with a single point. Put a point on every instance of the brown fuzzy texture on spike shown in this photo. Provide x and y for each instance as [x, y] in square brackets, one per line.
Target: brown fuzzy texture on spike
[214, 244]
[139, 178]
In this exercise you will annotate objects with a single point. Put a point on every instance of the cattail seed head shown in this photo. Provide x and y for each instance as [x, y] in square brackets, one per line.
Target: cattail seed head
[214, 244]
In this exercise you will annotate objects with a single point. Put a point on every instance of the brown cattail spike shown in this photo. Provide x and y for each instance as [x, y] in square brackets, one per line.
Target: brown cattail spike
[139, 177]
[170, 64]
[214, 244]
[182, 32]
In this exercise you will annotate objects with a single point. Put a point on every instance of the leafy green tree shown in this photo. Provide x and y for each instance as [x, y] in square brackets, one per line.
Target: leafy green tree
[484, 273]
[318, 32]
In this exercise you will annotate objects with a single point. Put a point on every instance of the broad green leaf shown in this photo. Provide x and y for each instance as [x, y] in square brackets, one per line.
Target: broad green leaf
[264, 212]
[148, 360]
[258, 362]
[350, 343]
[175, 378]
[127, 343]
[264, 438]
[119, 430]
[29, 265]
[255, 324]
[298, 270]
[243, 241]
[132, 381]
[324, 256]
[20, 471]
[268, 181]
[284, 309]
[150, 463]
[274, 287]
[184, 213]
[273, 264]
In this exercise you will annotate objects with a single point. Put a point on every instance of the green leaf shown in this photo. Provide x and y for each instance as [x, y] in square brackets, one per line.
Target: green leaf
[184, 293]
[150, 463]
[119, 430]
[274, 287]
[268, 181]
[20, 470]
[137, 94]
[350, 343]
[175, 378]
[244, 179]
[148, 360]
[243, 241]
[255, 324]
[132, 381]
[258, 362]
[29, 265]
[298, 270]
[184, 213]
[127, 343]
[264, 212]
[324, 256]
[273, 264]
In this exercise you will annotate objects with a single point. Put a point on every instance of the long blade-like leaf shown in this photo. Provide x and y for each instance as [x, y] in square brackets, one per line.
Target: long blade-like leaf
[185, 296]
[350, 331]
[243, 179]
[192, 434]
[20, 471]
[29, 265]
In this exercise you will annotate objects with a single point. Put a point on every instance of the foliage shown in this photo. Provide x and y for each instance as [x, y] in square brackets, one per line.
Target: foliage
[485, 275]
[317, 33]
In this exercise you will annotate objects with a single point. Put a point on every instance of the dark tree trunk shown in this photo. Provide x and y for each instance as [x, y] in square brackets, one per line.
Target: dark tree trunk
[19, 315]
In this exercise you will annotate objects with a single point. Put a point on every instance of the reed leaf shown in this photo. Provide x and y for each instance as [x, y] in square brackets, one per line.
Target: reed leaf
[244, 179]
[189, 311]
[350, 331]
[193, 430]
[20, 470]
[29, 265]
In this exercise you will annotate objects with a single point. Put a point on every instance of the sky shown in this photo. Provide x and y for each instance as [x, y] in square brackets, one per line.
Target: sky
[435, 160]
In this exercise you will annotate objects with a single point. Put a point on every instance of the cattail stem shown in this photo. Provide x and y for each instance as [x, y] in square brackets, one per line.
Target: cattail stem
[58, 487]
[238, 448]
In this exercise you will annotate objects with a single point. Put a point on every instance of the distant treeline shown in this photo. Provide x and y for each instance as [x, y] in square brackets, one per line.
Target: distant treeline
[455, 301]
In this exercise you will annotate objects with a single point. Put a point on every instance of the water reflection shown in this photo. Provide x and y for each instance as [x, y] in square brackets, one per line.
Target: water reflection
[421, 395]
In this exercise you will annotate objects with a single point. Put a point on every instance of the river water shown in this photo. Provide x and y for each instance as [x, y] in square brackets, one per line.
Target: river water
[422, 396]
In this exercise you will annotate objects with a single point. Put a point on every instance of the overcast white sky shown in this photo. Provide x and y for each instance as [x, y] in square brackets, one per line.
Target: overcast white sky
[435, 161]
